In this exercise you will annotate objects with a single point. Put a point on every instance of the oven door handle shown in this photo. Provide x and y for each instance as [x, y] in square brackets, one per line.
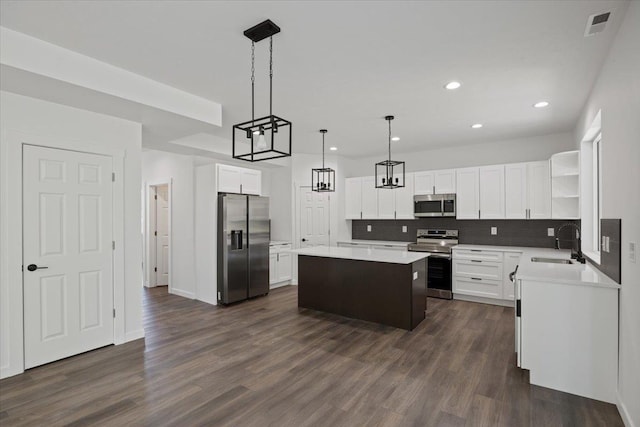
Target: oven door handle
[440, 256]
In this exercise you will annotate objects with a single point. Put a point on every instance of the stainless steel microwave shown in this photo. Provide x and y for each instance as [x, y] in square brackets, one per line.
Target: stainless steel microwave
[434, 205]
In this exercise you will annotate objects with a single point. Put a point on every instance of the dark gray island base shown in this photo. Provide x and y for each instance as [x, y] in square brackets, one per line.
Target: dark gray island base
[393, 294]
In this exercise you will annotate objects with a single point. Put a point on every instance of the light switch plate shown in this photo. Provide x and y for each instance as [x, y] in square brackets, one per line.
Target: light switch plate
[606, 244]
[404, 228]
[632, 251]
[494, 231]
[415, 275]
[368, 228]
[551, 232]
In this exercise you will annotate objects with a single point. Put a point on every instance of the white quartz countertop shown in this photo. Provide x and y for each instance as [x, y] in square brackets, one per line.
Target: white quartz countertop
[572, 274]
[375, 242]
[363, 254]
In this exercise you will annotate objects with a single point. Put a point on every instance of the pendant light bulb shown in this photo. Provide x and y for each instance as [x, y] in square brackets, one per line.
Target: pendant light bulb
[262, 142]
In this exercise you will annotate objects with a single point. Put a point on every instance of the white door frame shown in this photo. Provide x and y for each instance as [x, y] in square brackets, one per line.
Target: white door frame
[11, 261]
[149, 240]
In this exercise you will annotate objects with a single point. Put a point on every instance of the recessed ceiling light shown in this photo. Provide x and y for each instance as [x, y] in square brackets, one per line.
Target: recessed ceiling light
[477, 126]
[333, 148]
[395, 138]
[541, 104]
[452, 85]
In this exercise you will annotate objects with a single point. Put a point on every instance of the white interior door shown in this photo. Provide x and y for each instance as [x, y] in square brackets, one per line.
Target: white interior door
[162, 235]
[314, 218]
[67, 229]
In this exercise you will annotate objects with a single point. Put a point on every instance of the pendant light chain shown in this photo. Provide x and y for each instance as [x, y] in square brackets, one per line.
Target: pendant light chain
[253, 80]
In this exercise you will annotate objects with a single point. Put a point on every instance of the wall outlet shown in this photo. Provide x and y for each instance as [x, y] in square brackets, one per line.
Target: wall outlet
[606, 244]
[551, 232]
[415, 275]
[632, 251]
[404, 228]
[368, 228]
[494, 231]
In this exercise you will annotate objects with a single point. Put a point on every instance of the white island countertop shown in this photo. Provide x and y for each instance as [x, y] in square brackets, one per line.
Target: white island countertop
[363, 254]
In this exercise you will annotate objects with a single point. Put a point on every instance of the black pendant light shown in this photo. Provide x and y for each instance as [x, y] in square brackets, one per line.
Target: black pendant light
[267, 137]
[323, 179]
[389, 173]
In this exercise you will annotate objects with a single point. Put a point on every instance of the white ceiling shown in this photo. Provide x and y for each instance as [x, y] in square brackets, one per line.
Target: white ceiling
[344, 65]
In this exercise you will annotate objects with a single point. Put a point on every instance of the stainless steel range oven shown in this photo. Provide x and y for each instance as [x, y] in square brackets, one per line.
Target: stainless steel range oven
[438, 243]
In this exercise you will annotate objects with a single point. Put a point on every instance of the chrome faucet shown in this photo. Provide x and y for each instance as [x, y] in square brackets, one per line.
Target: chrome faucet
[578, 256]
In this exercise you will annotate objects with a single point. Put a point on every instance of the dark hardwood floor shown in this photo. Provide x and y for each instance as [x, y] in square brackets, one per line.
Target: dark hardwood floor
[264, 363]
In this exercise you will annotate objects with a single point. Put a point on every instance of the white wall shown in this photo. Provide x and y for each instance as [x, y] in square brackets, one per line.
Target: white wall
[159, 165]
[31, 120]
[490, 153]
[617, 94]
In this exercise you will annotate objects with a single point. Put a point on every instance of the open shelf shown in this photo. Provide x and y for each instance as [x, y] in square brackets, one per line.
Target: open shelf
[565, 185]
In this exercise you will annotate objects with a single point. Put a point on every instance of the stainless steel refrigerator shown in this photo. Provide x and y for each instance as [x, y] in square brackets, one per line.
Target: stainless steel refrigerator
[243, 247]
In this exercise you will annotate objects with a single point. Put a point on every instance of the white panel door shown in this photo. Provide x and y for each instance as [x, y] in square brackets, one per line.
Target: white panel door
[387, 203]
[444, 181]
[467, 194]
[67, 217]
[539, 179]
[162, 235]
[492, 192]
[515, 185]
[353, 198]
[424, 183]
[369, 198]
[229, 179]
[404, 199]
[251, 181]
[314, 218]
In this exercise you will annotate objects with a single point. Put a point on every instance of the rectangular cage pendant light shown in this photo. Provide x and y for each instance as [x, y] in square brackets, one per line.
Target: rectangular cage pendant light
[390, 173]
[323, 179]
[267, 137]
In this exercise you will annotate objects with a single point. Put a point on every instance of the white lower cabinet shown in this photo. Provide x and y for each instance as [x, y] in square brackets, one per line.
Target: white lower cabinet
[484, 273]
[279, 264]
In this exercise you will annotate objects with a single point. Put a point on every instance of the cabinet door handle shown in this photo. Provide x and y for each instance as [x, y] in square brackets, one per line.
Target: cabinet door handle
[476, 250]
[475, 278]
[434, 189]
[475, 260]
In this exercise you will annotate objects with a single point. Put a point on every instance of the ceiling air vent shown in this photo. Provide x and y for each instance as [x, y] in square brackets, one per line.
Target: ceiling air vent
[596, 23]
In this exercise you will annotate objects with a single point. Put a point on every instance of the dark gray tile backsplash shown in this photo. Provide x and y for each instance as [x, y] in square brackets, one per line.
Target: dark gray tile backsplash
[476, 232]
[610, 262]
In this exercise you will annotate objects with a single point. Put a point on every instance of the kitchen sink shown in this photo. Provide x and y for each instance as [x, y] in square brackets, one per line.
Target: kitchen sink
[551, 260]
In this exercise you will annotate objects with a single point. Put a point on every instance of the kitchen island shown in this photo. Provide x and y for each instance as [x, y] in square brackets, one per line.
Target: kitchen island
[377, 285]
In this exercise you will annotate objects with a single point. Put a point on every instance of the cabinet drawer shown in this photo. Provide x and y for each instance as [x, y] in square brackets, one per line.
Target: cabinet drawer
[481, 287]
[478, 269]
[477, 254]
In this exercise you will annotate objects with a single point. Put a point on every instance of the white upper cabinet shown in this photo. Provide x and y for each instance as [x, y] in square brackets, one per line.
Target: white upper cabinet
[528, 191]
[386, 203]
[539, 190]
[435, 182]
[516, 198]
[404, 199]
[353, 198]
[467, 199]
[424, 183]
[445, 181]
[233, 179]
[369, 198]
[492, 192]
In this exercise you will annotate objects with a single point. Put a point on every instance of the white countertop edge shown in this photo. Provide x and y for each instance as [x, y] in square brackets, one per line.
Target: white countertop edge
[534, 278]
[279, 243]
[362, 254]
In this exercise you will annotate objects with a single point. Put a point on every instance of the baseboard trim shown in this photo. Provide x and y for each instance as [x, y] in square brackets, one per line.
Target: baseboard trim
[294, 282]
[133, 335]
[9, 372]
[181, 293]
[624, 414]
[482, 300]
[279, 285]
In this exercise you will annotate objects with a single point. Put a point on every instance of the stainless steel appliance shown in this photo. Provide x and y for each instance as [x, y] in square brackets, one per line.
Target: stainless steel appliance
[434, 205]
[243, 247]
[439, 244]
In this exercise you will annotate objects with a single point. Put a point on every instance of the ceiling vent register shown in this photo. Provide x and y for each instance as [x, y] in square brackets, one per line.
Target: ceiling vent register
[596, 23]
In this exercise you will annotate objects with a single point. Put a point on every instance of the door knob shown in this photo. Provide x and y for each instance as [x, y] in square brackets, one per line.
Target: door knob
[304, 240]
[33, 267]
